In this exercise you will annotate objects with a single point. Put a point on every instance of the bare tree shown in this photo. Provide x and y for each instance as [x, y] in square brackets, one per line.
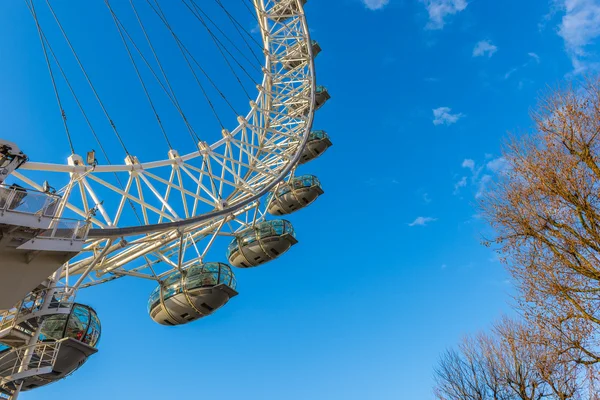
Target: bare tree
[546, 211]
[511, 363]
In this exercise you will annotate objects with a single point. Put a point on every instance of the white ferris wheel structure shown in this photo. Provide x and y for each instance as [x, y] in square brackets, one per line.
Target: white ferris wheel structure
[155, 219]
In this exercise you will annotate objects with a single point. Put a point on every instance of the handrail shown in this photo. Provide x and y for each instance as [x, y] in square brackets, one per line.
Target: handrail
[33, 202]
[27, 358]
[33, 305]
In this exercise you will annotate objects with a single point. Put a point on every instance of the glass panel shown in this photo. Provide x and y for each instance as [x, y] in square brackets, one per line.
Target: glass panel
[79, 321]
[154, 299]
[54, 327]
[172, 286]
[93, 335]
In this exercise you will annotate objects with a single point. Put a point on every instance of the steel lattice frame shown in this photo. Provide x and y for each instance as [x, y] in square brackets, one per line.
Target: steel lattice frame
[214, 190]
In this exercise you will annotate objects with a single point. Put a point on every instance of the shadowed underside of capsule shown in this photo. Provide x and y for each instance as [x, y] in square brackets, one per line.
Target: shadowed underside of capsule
[264, 242]
[192, 294]
[318, 143]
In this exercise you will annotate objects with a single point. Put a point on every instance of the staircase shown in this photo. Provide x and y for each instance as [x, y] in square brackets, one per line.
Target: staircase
[26, 362]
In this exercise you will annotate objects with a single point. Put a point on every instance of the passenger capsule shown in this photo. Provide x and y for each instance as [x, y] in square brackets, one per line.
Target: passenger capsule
[297, 54]
[303, 107]
[318, 142]
[284, 9]
[76, 336]
[298, 193]
[264, 242]
[192, 294]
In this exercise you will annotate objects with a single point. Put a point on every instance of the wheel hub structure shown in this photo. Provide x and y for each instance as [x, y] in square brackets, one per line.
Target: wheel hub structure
[147, 219]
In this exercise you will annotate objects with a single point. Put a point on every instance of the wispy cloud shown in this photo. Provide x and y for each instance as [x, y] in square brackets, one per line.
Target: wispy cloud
[482, 175]
[484, 48]
[460, 184]
[510, 72]
[422, 221]
[534, 56]
[498, 165]
[579, 28]
[375, 4]
[468, 163]
[440, 10]
[444, 116]
[533, 59]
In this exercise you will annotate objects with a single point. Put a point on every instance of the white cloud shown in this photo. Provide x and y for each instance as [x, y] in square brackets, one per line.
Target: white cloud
[460, 184]
[468, 163]
[482, 175]
[443, 116]
[509, 73]
[375, 4]
[422, 221]
[427, 198]
[484, 48]
[534, 56]
[579, 28]
[439, 10]
[482, 185]
[498, 165]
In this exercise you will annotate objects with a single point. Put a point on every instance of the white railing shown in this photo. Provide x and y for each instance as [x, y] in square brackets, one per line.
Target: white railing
[33, 306]
[68, 229]
[16, 199]
[27, 360]
[28, 201]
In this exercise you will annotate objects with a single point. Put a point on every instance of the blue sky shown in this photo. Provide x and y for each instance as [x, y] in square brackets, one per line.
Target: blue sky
[389, 271]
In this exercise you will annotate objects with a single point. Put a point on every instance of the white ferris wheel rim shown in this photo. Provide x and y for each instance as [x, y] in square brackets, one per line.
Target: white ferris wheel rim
[262, 8]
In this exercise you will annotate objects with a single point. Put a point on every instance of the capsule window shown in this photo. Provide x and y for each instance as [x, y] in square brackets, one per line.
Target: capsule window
[207, 306]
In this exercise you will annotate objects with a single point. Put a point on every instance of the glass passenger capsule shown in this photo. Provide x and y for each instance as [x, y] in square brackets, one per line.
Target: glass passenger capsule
[318, 142]
[297, 54]
[81, 324]
[76, 336]
[303, 107]
[193, 293]
[264, 242]
[298, 193]
[284, 9]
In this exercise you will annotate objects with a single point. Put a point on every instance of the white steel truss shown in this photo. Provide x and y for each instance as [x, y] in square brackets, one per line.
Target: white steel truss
[165, 208]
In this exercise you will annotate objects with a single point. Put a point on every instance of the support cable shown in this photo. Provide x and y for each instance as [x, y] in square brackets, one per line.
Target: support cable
[236, 25]
[56, 93]
[87, 119]
[137, 71]
[171, 97]
[185, 52]
[112, 124]
[240, 25]
[252, 13]
[230, 41]
[218, 44]
[170, 92]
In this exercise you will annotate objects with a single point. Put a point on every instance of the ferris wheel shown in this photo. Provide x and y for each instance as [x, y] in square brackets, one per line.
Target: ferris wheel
[155, 219]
